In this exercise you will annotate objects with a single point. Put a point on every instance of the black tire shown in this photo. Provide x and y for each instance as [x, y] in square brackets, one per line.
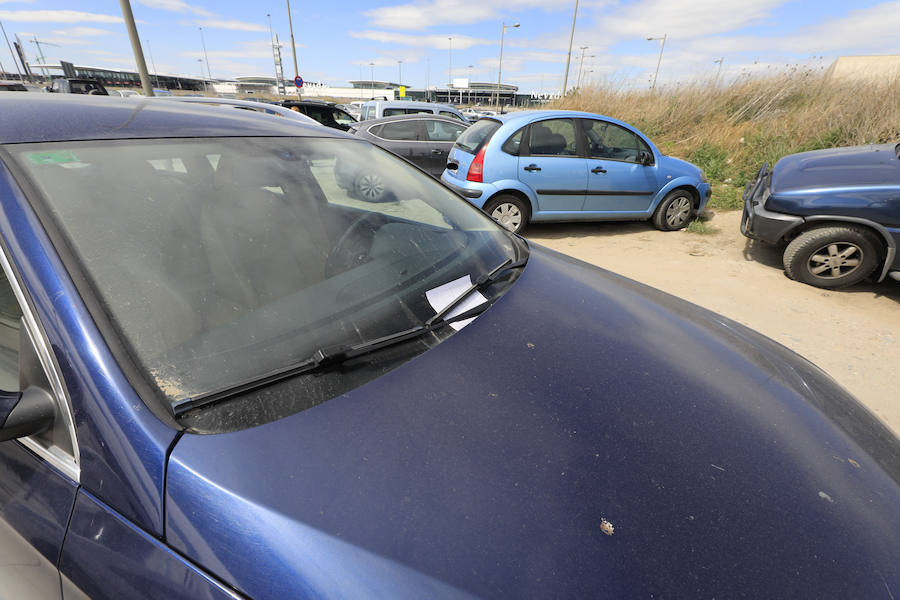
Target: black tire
[509, 211]
[675, 211]
[832, 257]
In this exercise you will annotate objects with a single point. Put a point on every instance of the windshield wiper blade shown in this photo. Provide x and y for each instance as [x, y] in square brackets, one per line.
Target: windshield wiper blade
[479, 284]
[322, 358]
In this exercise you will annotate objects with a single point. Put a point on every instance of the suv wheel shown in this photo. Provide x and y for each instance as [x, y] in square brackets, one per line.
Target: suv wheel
[832, 257]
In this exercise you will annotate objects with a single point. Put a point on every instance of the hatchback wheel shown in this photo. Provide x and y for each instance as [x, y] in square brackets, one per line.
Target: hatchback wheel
[675, 211]
[509, 211]
[832, 257]
[369, 187]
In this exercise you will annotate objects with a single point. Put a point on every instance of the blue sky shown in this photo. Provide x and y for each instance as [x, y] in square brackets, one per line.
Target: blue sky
[338, 39]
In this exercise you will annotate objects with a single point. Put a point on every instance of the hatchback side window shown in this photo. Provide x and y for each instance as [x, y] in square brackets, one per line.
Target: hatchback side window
[607, 140]
[554, 137]
[10, 317]
[401, 131]
[512, 145]
[441, 131]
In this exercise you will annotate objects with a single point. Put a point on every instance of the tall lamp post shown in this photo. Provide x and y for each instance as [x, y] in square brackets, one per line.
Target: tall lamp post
[153, 62]
[449, 67]
[662, 46]
[581, 64]
[372, 78]
[569, 57]
[500, 64]
[719, 71]
[399, 72]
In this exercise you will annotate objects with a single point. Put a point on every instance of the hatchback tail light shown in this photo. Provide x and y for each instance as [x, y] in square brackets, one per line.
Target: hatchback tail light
[476, 169]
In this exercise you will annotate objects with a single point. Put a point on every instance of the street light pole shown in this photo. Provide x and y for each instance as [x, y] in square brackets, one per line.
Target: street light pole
[449, 67]
[153, 62]
[293, 46]
[136, 47]
[399, 72]
[662, 46]
[581, 64]
[719, 71]
[372, 78]
[569, 57]
[500, 64]
[205, 55]
[470, 85]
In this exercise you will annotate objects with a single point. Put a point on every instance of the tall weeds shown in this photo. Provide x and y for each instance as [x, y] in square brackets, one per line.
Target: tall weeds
[729, 130]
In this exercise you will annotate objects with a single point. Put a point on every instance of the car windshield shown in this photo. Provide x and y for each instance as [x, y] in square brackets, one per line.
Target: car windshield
[219, 260]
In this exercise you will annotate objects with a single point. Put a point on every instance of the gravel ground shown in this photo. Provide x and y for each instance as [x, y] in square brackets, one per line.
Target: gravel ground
[853, 334]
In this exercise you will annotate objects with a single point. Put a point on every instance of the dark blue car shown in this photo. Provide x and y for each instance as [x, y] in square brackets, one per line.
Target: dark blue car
[837, 210]
[224, 377]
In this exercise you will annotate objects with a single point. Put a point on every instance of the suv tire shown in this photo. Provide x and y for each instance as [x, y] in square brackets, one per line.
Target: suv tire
[832, 257]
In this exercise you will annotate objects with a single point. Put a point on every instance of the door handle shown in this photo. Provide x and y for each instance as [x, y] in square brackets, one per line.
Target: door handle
[532, 167]
[598, 169]
[437, 151]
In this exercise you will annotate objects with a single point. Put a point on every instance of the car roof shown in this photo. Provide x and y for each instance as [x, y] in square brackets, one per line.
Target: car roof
[257, 106]
[412, 103]
[530, 115]
[50, 117]
[429, 116]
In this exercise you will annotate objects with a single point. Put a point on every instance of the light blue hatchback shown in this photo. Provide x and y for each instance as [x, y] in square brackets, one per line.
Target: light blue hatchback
[560, 165]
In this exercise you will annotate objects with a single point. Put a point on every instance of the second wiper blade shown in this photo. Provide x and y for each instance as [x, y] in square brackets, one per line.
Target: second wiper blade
[322, 358]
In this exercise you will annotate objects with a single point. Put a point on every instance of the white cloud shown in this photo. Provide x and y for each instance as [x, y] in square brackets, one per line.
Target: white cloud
[232, 24]
[82, 32]
[179, 6]
[433, 13]
[684, 19]
[57, 16]
[436, 41]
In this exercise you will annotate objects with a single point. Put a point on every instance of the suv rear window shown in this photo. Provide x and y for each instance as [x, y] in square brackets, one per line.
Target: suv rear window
[477, 135]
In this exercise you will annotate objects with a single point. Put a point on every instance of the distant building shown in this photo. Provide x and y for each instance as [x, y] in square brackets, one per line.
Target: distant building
[870, 69]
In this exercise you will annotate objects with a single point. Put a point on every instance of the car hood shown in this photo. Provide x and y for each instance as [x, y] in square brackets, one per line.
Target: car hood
[874, 165]
[681, 167]
[586, 437]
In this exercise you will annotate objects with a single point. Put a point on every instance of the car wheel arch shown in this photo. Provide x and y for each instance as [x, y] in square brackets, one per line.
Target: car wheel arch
[517, 193]
[682, 183]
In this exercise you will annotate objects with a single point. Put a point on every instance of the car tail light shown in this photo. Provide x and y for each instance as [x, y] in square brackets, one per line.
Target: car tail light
[476, 169]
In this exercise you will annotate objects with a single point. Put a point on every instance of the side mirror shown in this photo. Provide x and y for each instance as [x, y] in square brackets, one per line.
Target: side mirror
[645, 158]
[34, 410]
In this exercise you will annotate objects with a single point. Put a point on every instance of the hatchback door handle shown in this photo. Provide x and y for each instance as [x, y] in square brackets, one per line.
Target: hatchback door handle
[532, 167]
[598, 169]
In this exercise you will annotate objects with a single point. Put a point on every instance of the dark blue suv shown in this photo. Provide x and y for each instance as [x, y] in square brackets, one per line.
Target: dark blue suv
[222, 376]
[837, 210]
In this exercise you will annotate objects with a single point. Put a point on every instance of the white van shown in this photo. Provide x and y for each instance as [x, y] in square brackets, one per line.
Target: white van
[375, 109]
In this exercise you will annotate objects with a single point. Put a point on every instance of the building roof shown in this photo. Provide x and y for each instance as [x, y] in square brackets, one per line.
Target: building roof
[70, 117]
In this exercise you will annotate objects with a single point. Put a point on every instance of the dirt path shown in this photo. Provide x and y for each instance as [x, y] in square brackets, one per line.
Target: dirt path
[853, 334]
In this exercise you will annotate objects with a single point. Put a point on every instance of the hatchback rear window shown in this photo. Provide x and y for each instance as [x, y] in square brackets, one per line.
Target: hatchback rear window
[477, 135]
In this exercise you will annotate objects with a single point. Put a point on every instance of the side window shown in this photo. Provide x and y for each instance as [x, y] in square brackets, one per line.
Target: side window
[376, 131]
[389, 112]
[10, 317]
[401, 131]
[452, 115]
[607, 140]
[512, 145]
[341, 118]
[554, 137]
[441, 131]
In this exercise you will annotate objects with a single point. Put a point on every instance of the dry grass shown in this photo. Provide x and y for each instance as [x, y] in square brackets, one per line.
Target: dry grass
[730, 130]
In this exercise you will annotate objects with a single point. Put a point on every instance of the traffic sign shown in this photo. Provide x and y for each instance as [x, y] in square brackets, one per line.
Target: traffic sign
[298, 81]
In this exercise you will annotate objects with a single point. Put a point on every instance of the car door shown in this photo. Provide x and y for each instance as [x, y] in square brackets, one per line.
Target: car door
[551, 165]
[617, 180]
[441, 135]
[406, 138]
[38, 474]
